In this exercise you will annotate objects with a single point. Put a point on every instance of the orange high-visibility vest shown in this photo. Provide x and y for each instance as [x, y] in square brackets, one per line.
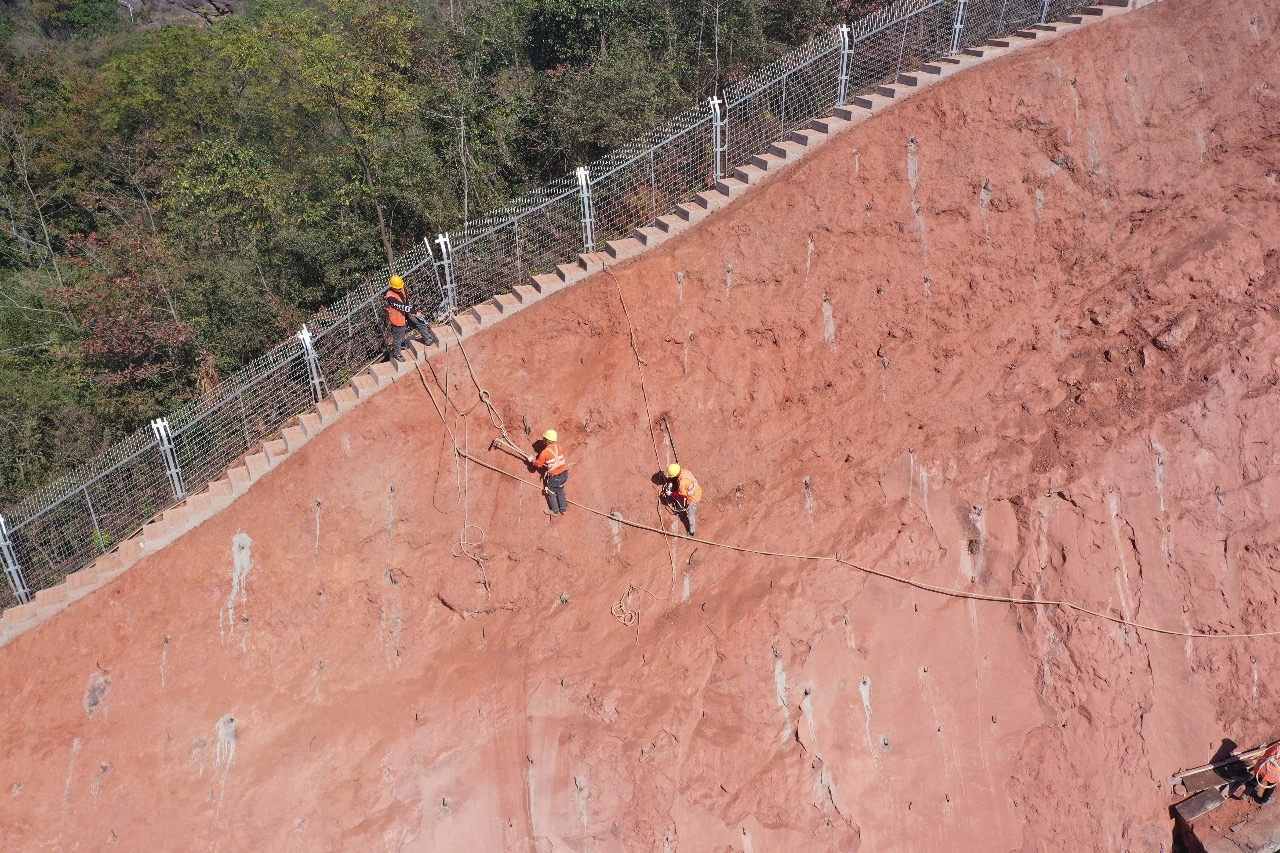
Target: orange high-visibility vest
[552, 460]
[687, 488]
[394, 315]
[1268, 767]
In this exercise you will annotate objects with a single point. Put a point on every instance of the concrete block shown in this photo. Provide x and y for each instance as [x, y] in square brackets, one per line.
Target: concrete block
[690, 212]
[275, 450]
[506, 303]
[327, 410]
[907, 80]
[364, 385]
[465, 325]
[1027, 34]
[345, 397]
[890, 91]
[547, 283]
[649, 235]
[808, 137]
[86, 578]
[1073, 19]
[748, 173]
[258, 464]
[998, 42]
[710, 199]
[311, 424]
[198, 508]
[486, 313]
[829, 124]
[768, 161]
[386, 372]
[21, 613]
[54, 595]
[785, 150]
[1045, 28]
[238, 475]
[874, 103]
[1093, 11]
[932, 68]
[671, 223]
[592, 262]
[727, 188]
[295, 436]
[570, 273]
[624, 248]
[1118, 4]
[525, 294]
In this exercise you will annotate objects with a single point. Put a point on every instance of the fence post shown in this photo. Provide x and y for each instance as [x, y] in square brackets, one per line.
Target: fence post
[588, 210]
[93, 516]
[313, 363]
[12, 568]
[160, 426]
[1044, 12]
[718, 135]
[446, 265]
[846, 55]
[957, 31]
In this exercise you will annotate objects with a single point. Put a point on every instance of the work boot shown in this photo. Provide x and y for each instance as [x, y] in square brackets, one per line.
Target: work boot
[1236, 791]
[397, 357]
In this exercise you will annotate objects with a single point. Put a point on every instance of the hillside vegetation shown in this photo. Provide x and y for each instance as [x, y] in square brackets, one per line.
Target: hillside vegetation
[180, 189]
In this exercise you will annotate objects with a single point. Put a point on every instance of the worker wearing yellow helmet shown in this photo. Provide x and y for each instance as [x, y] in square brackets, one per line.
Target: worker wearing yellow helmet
[555, 471]
[683, 492]
[401, 315]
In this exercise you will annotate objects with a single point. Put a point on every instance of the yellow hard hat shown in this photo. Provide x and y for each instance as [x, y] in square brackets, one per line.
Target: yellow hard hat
[673, 470]
[397, 282]
[551, 435]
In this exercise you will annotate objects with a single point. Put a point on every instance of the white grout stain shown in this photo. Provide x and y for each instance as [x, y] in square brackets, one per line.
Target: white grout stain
[241, 565]
[864, 687]
[580, 795]
[1122, 570]
[780, 688]
[164, 659]
[224, 752]
[828, 322]
[680, 287]
[728, 279]
[66, 794]
[688, 587]
[808, 262]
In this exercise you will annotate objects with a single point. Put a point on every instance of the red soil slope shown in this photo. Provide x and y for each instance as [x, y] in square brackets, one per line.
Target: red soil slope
[1017, 335]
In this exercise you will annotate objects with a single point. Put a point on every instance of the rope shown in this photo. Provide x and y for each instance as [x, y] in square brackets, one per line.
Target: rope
[628, 616]
[622, 610]
[921, 585]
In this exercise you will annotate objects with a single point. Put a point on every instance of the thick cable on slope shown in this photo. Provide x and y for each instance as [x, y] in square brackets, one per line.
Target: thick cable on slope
[921, 585]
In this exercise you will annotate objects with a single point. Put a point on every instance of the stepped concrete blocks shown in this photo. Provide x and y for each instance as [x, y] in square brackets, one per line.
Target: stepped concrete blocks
[465, 325]
[932, 68]
[525, 294]
[85, 579]
[257, 464]
[671, 223]
[874, 103]
[198, 507]
[1027, 34]
[975, 51]
[785, 150]
[998, 43]
[310, 424]
[275, 450]
[1045, 28]
[625, 248]
[21, 613]
[690, 212]
[570, 273]
[328, 410]
[886, 91]
[238, 476]
[765, 162]
[829, 124]
[386, 372]
[295, 437]
[506, 303]
[1093, 11]
[728, 188]
[710, 199]
[592, 262]
[365, 385]
[485, 313]
[54, 595]
[649, 235]
[547, 283]
[808, 137]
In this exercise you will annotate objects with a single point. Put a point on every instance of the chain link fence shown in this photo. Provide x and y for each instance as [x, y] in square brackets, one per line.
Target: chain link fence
[64, 526]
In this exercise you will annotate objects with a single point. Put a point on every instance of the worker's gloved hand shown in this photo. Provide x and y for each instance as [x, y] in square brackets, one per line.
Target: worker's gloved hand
[666, 490]
[529, 459]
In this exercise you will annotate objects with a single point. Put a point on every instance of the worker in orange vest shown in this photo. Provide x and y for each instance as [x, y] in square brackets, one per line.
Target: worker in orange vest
[401, 315]
[555, 472]
[1266, 772]
[684, 493]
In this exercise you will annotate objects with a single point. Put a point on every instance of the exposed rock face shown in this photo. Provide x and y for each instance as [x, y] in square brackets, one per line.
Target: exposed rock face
[934, 357]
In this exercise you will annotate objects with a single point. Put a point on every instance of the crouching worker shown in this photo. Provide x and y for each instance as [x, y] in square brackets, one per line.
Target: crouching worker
[1266, 772]
[402, 316]
[555, 472]
[683, 492]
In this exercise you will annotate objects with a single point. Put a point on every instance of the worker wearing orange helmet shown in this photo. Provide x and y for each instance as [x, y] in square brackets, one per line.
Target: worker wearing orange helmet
[555, 471]
[684, 492]
[401, 315]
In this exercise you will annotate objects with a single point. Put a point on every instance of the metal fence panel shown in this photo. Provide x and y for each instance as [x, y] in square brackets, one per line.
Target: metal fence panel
[62, 527]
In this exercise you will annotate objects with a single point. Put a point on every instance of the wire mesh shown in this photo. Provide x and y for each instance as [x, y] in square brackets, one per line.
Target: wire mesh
[63, 526]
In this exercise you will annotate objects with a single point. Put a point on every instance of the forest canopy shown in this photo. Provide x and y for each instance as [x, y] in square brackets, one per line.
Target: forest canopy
[180, 190]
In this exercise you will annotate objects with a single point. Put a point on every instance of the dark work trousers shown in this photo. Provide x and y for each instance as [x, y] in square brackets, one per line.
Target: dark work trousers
[555, 492]
[399, 333]
[690, 513]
